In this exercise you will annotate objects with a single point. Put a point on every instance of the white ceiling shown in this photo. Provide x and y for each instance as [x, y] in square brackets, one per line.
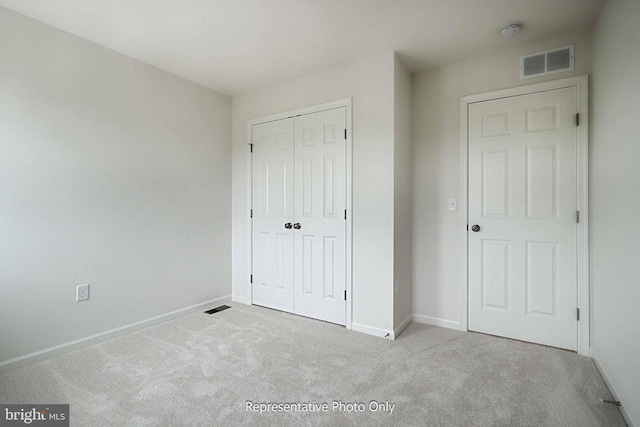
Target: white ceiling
[234, 46]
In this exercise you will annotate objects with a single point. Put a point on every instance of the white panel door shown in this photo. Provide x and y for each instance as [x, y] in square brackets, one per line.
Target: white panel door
[522, 202]
[272, 232]
[320, 202]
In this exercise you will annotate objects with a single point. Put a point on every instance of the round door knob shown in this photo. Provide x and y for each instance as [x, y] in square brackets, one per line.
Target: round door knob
[475, 228]
[288, 225]
[297, 226]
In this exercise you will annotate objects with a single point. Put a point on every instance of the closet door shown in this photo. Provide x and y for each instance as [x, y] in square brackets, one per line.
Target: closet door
[272, 235]
[522, 217]
[319, 212]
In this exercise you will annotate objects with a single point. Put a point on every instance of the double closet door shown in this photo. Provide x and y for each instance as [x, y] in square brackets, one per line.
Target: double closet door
[299, 215]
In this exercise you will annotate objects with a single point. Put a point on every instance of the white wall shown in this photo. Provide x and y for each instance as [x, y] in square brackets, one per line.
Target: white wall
[402, 193]
[615, 201]
[437, 168]
[371, 85]
[112, 173]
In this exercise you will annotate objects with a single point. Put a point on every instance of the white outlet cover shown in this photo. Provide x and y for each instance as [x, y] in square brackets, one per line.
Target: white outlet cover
[453, 204]
[82, 292]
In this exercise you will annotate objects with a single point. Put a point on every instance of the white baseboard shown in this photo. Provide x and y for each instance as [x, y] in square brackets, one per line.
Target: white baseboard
[627, 416]
[372, 330]
[401, 327]
[435, 321]
[47, 353]
[241, 300]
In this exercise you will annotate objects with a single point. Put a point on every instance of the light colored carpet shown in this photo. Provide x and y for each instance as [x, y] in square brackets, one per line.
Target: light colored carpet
[199, 370]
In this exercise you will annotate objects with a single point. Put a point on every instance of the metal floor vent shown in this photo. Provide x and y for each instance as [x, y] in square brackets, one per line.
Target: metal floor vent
[217, 309]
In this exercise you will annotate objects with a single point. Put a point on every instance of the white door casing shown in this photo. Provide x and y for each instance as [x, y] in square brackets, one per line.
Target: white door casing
[299, 177]
[272, 243]
[522, 194]
[320, 203]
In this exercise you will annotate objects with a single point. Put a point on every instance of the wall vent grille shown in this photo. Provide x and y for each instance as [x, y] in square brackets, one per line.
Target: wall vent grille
[547, 62]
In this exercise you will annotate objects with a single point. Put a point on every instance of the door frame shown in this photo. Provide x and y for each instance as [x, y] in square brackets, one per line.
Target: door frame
[347, 103]
[581, 83]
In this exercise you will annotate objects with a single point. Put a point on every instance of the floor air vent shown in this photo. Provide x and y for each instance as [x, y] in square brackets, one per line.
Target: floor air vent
[547, 62]
[217, 309]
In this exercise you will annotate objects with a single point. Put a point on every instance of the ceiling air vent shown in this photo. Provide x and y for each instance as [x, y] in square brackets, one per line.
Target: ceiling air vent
[547, 62]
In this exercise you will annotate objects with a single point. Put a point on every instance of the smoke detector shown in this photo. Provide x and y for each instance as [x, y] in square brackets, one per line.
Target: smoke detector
[510, 30]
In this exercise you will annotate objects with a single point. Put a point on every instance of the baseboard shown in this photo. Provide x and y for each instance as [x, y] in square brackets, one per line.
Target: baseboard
[614, 393]
[48, 353]
[372, 330]
[401, 327]
[241, 300]
[435, 321]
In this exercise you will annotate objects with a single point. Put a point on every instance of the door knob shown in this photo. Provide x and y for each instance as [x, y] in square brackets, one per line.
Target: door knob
[475, 228]
[297, 226]
[287, 225]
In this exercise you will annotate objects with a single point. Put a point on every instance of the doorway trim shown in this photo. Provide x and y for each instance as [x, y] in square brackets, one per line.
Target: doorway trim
[581, 83]
[347, 103]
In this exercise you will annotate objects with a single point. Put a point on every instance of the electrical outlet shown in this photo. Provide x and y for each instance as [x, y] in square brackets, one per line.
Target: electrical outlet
[453, 204]
[82, 292]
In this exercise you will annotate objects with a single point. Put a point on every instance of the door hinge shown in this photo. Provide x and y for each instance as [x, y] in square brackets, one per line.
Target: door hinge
[345, 134]
[250, 147]
[251, 278]
[578, 314]
[345, 295]
[251, 213]
[577, 217]
[577, 119]
[345, 214]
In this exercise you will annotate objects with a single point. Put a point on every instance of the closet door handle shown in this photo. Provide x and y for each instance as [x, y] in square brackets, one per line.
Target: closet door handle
[297, 226]
[288, 226]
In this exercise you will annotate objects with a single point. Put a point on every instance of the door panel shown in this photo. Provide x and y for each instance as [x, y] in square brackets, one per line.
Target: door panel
[272, 208]
[495, 274]
[541, 265]
[320, 201]
[522, 194]
[495, 183]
